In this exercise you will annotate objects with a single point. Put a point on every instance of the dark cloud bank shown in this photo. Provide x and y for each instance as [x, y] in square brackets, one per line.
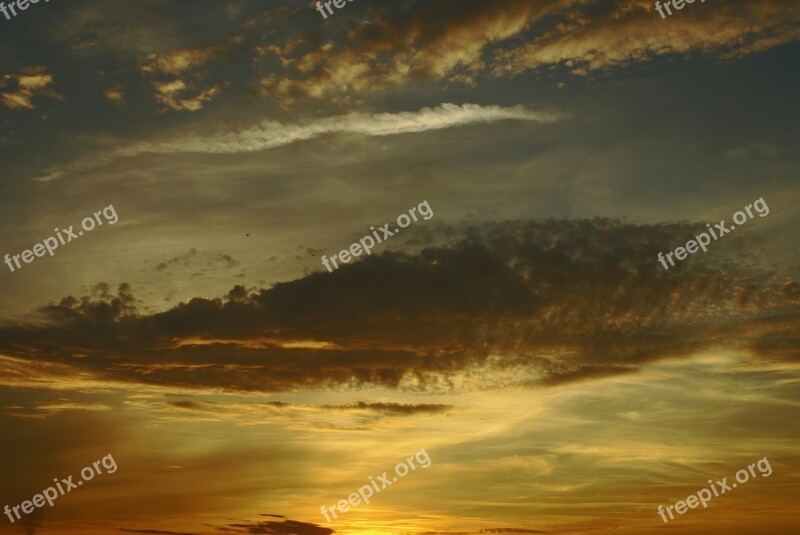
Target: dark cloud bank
[567, 300]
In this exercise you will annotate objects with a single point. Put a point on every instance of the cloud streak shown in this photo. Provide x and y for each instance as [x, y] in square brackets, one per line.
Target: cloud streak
[270, 134]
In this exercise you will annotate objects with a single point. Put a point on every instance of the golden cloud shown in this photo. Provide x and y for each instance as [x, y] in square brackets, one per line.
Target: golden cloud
[731, 30]
[454, 41]
[169, 94]
[178, 94]
[30, 82]
[178, 61]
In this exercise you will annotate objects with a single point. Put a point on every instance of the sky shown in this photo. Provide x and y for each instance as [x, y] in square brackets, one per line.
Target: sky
[534, 330]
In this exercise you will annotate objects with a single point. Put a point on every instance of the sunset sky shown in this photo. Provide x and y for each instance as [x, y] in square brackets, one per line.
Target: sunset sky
[525, 336]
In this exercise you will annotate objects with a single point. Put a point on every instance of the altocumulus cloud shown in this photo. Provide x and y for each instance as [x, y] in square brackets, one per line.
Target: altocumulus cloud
[270, 134]
[548, 298]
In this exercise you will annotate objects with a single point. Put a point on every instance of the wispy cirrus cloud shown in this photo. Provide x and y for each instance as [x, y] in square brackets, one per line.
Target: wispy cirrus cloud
[271, 134]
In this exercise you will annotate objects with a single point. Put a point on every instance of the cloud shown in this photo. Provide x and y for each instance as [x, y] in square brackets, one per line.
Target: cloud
[156, 532]
[283, 56]
[186, 404]
[456, 41]
[510, 530]
[180, 95]
[392, 408]
[633, 32]
[286, 527]
[183, 94]
[187, 259]
[402, 44]
[115, 95]
[30, 82]
[181, 258]
[586, 372]
[554, 301]
[179, 61]
[269, 134]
